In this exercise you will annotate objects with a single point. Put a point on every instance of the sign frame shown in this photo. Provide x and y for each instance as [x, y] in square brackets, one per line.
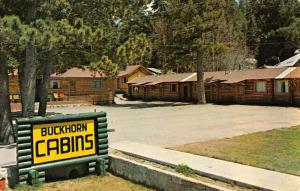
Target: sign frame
[98, 162]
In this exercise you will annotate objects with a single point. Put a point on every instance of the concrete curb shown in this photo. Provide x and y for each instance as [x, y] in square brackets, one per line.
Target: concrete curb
[224, 171]
[156, 178]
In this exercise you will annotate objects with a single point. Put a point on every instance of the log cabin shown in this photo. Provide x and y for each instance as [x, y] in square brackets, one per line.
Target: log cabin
[168, 87]
[273, 86]
[247, 86]
[78, 84]
[130, 73]
[73, 85]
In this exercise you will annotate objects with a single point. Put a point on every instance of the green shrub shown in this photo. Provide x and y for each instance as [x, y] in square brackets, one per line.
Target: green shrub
[185, 170]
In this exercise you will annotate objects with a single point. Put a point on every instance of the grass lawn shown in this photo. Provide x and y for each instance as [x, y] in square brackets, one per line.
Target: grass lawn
[89, 183]
[277, 150]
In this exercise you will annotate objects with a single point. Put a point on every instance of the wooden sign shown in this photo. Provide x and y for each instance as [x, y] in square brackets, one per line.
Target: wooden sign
[61, 140]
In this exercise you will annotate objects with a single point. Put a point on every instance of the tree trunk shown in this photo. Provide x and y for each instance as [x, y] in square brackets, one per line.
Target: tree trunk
[28, 82]
[6, 129]
[44, 85]
[28, 70]
[200, 80]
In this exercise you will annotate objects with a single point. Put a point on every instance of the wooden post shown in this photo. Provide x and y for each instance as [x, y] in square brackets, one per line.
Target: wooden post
[33, 178]
[100, 167]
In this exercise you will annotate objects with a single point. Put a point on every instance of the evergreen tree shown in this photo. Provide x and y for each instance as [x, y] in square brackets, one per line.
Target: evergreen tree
[10, 29]
[269, 17]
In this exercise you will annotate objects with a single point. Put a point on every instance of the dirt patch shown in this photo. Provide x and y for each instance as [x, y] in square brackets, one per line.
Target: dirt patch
[90, 183]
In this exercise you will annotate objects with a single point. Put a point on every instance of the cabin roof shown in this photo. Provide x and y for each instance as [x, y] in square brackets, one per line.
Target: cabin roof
[221, 76]
[209, 77]
[79, 73]
[292, 61]
[254, 74]
[155, 70]
[131, 69]
[153, 80]
[294, 72]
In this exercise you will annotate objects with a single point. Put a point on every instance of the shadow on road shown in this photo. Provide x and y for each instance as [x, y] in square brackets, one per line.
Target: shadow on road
[18, 114]
[144, 105]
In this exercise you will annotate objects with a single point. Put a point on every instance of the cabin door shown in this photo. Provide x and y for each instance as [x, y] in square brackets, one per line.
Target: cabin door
[145, 92]
[72, 87]
[214, 90]
[185, 92]
[161, 92]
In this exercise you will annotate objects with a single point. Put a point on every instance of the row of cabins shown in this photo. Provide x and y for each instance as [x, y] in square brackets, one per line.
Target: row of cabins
[276, 85]
[83, 85]
[273, 86]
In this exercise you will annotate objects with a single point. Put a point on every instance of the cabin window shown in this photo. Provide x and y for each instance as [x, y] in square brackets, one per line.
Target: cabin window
[282, 86]
[125, 80]
[96, 84]
[173, 88]
[261, 87]
[54, 84]
[136, 89]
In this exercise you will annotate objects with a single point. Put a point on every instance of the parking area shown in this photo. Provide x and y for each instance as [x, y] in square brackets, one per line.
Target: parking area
[170, 124]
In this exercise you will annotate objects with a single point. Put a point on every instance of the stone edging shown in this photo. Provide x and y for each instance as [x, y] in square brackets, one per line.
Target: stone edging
[156, 178]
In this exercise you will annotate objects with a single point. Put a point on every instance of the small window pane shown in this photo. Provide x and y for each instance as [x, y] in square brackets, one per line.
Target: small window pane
[96, 84]
[54, 84]
[282, 86]
[261, 87]
[173, 88]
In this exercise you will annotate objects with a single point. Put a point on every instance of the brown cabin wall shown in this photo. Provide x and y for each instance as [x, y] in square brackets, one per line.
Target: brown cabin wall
[186, 91]
[210, 92]
[123, 86]
[227, 93]
[84, 90]
[296, 94]
[242, 93]
[169, 95]
[137, 92]
[284, 98]
[153, 92]
[156, 92]
[14, 85]
[251, 96]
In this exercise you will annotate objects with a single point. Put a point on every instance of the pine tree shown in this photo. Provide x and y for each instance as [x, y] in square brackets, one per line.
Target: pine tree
[10, 29]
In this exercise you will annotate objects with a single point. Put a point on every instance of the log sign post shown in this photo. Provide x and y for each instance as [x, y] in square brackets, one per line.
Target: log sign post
[62, 140]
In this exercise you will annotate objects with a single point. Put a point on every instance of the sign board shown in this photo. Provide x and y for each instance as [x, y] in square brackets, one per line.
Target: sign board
[61, 140]
[65, 140]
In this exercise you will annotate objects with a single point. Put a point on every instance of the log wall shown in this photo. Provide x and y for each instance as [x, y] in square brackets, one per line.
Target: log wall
[296, 94]
[83, 89]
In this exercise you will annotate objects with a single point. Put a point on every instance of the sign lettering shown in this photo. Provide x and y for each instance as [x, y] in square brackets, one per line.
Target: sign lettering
[59, 141]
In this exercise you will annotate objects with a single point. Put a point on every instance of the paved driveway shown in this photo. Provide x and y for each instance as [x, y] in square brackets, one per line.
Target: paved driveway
[170, 124]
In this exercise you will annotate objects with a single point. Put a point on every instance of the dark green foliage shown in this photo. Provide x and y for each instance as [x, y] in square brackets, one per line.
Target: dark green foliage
[216, 28]
[185, 170]
[265, 21]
